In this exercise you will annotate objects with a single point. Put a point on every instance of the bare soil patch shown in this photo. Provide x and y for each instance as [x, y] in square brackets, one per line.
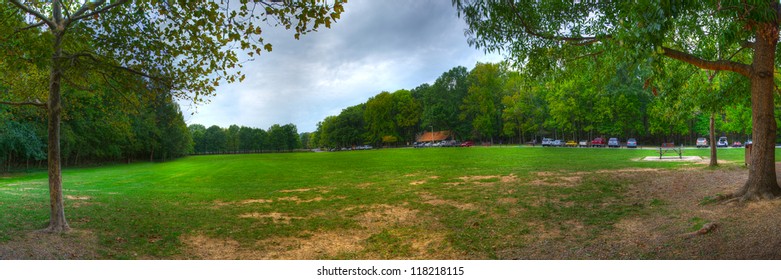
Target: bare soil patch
[276, 217]
[434, 200]
[382, 216]
[295, 190]
[250, 201]
[75, 197]
[74, 245]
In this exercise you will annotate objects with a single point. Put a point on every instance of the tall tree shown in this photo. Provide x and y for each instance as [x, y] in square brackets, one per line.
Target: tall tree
[379, 117]
[441, 102]
[482, 106]
[407, 112]
[197, 131]
[184, 46]
[650, 29]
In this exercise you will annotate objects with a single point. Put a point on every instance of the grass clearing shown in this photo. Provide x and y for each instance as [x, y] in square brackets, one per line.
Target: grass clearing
[471, 203]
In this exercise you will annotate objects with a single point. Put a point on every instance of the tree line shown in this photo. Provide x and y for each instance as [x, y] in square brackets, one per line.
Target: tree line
[95, 129]
[584, 99]
[236, 139]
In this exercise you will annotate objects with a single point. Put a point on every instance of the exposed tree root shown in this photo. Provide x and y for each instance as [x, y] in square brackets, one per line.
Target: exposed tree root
[742, 196]
[56, 229]
[706, 228]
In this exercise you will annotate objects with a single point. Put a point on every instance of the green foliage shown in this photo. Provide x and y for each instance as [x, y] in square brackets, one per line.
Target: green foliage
[19, 141]
[379, 117]
[482, 105]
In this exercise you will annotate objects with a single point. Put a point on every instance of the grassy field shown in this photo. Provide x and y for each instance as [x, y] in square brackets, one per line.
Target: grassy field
[451, 203]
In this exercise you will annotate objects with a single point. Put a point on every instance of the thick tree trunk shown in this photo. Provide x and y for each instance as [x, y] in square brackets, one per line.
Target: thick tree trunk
[712, 139]
[57, 222]
[762, 182]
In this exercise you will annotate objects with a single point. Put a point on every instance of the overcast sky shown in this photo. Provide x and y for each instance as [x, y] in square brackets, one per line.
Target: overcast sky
[377, 45]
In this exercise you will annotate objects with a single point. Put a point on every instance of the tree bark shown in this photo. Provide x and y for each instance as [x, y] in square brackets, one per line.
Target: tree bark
[762, 182]
[712, 139]
[57, 222]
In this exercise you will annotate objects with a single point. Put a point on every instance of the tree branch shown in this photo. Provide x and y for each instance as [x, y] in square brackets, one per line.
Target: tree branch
[31, 26]
[718, 65]
[586, 55]
[35, 13]
[82, 12]
[35, 103]
[579, 41]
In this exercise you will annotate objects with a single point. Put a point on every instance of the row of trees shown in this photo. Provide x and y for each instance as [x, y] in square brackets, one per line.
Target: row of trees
[235, 139]
[95, 129]
[581, 100]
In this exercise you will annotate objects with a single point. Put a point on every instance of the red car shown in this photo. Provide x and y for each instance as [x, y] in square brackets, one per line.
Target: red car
[598, 142]
[467, 144]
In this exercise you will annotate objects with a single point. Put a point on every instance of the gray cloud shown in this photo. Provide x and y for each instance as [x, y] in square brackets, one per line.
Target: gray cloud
[376, 46]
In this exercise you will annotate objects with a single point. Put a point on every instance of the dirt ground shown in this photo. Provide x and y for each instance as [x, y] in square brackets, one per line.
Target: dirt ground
[679, 206]
[674, 203]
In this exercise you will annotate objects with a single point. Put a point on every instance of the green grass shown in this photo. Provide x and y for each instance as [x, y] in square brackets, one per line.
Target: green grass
[143, 210]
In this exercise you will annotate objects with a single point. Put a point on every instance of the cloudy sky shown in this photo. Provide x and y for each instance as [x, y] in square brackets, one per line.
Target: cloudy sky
[377, 45]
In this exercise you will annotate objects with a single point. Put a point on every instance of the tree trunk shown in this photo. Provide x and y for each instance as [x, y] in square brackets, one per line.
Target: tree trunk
[57, 222]
[712, 139]
[762, 182]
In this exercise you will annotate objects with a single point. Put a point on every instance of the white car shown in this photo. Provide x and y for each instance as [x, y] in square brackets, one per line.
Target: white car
[547, 142]
[702, 142]
[722, 142]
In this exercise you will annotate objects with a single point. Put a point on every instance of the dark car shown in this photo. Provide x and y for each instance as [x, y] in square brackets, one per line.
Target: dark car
[737, 144]
[467, 144]
[598, 142]
[631, 143]
[613, 143]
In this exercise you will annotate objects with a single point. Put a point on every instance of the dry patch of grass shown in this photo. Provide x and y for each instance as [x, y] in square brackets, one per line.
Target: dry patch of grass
[276, 217]
[249, 201]
[674, 202]
[434, 200]
[374, 220]
[73, 245]
[295, 190]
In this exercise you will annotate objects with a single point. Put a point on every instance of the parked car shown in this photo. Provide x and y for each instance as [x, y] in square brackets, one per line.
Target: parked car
[598, 142]
[556, 143]
[749, 142]
[631, 143]
[547, 142]
[613, 143]
[722, 142]
[702, 142]
[571, 143]
[583, 143]
[448, 143]
[737, 144]
[467, 144]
